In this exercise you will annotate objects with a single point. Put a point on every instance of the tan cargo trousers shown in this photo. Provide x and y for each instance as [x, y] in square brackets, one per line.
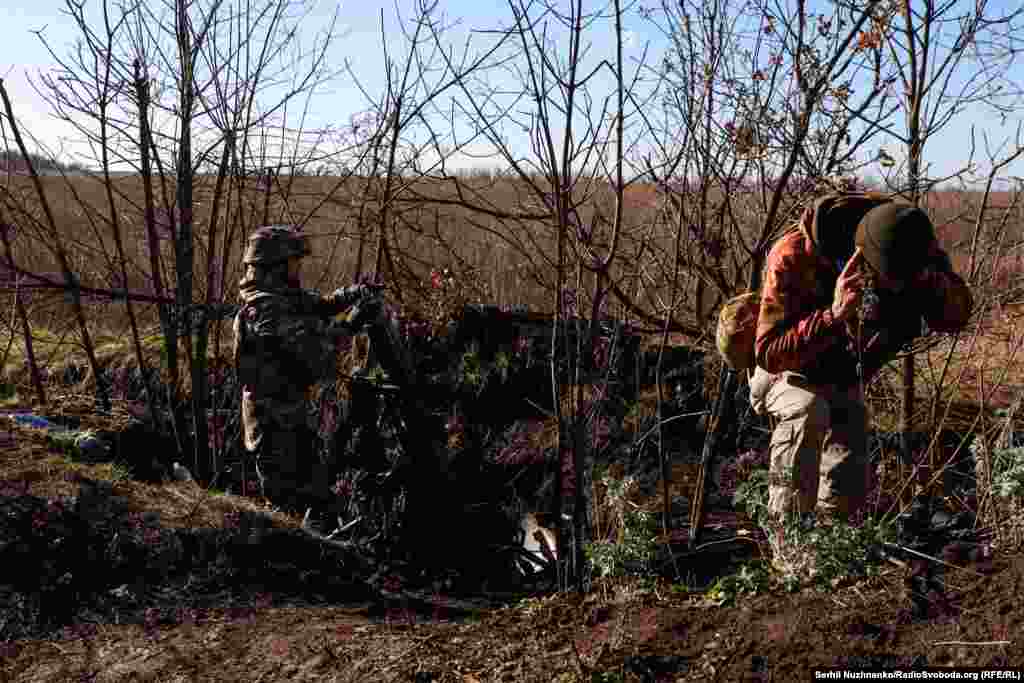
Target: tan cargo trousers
[819, 460]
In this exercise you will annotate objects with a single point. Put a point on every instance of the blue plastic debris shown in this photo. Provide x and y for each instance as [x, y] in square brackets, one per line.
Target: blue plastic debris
[30, 420]
[85, 441]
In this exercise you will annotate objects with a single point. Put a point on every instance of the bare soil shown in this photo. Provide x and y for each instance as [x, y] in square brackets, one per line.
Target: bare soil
[621, 630]
[769, 637]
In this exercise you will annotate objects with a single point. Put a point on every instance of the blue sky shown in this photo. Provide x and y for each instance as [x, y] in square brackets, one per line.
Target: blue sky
[360, 43]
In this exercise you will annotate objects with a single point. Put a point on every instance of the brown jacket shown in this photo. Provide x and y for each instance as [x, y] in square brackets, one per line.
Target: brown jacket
[796, 330]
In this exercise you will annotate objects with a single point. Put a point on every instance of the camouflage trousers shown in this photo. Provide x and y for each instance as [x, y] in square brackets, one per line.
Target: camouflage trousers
[819, 460]
[293, 471]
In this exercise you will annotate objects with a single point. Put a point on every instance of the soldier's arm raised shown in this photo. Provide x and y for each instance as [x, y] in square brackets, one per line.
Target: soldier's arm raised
[340, 299]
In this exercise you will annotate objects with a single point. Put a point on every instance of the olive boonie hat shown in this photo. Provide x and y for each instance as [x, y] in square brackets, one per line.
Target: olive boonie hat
[895, 239]
[273, 244]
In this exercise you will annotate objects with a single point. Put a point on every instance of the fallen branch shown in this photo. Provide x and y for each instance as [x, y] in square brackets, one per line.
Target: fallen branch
[736, 543]
[983, 642]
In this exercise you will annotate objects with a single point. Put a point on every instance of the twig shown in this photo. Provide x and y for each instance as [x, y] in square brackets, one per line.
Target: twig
[982, 642]
[639, 442]
[702, 546]
[202, 497]
[930, 558]
[536, 406]
[899, 563]
[725, 540]
[345, 527]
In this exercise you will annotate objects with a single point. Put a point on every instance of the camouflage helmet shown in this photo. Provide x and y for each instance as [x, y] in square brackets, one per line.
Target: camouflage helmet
[274, 244]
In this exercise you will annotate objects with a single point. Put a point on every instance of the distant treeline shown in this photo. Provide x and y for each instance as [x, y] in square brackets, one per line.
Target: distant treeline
[13, 161]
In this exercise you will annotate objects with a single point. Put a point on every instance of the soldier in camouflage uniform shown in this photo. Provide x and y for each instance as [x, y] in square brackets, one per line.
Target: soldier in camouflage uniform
[284, 344]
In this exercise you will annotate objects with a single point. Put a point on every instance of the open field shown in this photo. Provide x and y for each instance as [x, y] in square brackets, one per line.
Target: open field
[504, 258]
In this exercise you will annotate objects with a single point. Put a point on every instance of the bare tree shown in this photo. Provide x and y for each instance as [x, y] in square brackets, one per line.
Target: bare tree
[948, 59]
[756, 116]
[50, 235]
[19, 307]
[579, 111]
[170, 91]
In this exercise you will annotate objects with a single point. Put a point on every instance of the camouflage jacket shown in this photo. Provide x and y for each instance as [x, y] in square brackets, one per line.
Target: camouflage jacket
[796, 330]
[285, 340]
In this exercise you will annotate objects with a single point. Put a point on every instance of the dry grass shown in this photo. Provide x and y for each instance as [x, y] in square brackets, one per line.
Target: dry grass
[48, 474]
[983, 374]
[424, 235]
[56, 354]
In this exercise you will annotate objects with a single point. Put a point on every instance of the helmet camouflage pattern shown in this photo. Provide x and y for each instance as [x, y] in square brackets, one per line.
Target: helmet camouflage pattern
[273, 244]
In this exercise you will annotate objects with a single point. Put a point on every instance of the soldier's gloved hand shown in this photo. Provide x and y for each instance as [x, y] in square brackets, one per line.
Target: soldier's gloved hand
[354, 293]
[350, 295]
[368, 289]
[345, 293]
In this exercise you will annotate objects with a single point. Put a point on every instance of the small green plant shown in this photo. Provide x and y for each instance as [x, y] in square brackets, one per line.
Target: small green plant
[842, 551]
[826, 553]
[502, 363]
[751, 579]
[1008, 472]
[64, 442]
[752, 496]
[634, 551]
[806, 550]
[471, 370]
[70, 442]
[119, 472]
[528, 604]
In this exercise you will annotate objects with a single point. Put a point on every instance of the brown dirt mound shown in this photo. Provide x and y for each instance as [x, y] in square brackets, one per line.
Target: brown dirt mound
[653, 636]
